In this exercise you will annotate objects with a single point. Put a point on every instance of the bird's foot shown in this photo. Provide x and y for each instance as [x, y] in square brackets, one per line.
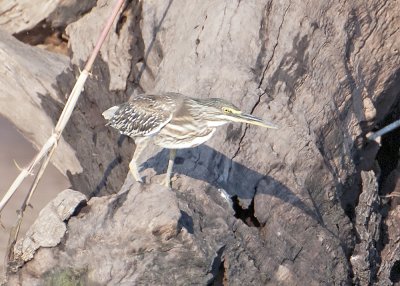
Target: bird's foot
[166, 183]
[137, 177]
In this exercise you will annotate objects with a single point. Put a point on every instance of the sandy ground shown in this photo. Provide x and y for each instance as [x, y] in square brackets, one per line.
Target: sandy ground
[13, 147]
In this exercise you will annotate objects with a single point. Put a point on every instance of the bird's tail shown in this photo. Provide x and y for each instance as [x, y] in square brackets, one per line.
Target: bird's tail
[109, 113]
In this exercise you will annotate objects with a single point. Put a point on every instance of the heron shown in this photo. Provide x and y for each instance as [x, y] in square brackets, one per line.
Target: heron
[173, 121]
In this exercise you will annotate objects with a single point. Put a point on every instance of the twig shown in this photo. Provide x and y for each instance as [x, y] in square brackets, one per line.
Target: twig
[384, 130]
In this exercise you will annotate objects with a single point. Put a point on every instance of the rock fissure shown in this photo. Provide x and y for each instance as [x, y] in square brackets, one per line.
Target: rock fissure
[275, 46]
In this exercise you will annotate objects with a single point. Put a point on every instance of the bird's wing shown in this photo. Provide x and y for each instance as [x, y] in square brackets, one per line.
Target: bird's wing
[143, 116]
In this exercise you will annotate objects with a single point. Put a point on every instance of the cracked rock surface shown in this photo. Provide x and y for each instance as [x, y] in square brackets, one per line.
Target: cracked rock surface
[308, 204]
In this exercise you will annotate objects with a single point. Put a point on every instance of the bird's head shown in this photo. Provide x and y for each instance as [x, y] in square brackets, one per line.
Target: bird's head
[220, 111]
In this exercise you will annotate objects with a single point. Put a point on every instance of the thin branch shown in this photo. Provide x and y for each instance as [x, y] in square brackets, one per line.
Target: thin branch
[384, 130]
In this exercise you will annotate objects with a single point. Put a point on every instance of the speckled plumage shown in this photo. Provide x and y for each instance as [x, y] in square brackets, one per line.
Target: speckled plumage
[143, 116]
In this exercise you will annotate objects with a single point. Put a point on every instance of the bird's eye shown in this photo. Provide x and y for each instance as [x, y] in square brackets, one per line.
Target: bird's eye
[226, 110]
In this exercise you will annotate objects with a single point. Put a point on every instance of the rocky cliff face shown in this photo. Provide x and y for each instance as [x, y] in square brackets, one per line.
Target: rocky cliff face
[301, 205]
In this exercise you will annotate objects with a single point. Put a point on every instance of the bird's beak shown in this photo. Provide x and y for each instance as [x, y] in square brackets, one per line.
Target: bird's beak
[251, 119]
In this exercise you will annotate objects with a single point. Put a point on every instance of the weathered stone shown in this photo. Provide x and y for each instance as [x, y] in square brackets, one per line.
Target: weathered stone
[49, 228]
[28, 80]
[17, 16]
[390, 252]
[365, 258]
[108, 243]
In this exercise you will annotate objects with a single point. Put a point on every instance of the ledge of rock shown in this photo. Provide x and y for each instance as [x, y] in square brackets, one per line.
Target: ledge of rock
[148, 234]
[143, 235]
[50, 227]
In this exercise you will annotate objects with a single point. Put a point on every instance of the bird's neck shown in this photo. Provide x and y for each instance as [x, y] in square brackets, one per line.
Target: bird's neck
[213, 124]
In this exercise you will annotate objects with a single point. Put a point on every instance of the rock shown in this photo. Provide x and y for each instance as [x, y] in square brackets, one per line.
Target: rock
[364, 258]
[49, 228]
[136, 237]
[20, 17]
[17, 16]
[118, 60]
[390, 250]
[28, 83]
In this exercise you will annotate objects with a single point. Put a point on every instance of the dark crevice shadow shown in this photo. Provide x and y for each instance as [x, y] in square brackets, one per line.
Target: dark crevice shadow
[220, 278]
[245, 215]
[388, 155]
[217, 263]
[395, 272]
[186, 221]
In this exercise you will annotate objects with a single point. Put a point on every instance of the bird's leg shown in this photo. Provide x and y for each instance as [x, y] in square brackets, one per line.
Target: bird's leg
[133, 165]
[167, 180]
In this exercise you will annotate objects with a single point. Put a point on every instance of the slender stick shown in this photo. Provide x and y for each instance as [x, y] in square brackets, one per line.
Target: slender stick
[384, 130]
[65, 115]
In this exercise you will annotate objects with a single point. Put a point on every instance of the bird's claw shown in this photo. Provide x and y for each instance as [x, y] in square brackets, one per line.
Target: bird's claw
[166, 183]
[139, 180]
[136, 176]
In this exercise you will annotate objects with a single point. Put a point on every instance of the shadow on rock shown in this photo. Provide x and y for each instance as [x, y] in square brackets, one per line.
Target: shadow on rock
[206, 164]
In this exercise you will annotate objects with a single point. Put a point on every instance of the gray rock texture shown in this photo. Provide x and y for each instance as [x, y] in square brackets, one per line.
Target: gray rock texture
[302, 205]
[49, 228]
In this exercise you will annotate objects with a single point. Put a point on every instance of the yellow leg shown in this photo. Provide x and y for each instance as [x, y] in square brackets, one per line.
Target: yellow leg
[167, 180]
[133, 165]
